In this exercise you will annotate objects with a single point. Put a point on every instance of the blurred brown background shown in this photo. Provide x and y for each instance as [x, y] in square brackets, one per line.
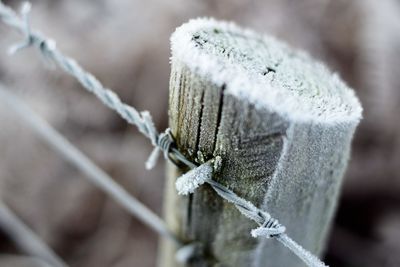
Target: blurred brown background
[126, 44]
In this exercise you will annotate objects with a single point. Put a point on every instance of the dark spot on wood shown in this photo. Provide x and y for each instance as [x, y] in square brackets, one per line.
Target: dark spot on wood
[268, 71]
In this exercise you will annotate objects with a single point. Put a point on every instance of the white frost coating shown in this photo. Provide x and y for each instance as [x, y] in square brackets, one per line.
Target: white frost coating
[190, 181]
[268, 232]
[305, 255]
[265, 71]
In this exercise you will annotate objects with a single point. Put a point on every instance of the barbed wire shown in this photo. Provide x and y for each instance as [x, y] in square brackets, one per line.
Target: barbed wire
[164, 142]
[47, 47]
[269, 227]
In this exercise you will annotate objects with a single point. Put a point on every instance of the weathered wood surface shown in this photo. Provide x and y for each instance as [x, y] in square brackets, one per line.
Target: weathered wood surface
[287, 156]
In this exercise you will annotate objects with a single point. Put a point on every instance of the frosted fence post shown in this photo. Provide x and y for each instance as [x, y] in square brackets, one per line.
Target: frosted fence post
[283, 125]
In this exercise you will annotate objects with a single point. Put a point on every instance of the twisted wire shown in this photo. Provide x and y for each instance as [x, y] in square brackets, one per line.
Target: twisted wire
[269, 227]
[47, 47]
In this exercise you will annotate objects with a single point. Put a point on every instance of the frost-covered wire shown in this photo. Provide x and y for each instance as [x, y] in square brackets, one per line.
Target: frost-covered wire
[48, 49]
[268, 226]
[26, 239]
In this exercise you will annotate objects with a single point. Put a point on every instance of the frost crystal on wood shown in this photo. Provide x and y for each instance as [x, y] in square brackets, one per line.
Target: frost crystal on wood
[191, 180]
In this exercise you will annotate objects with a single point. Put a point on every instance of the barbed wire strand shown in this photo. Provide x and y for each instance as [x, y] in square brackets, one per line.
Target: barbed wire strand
[47, 47]
[95, 175]
[269, 227]
[26, 239]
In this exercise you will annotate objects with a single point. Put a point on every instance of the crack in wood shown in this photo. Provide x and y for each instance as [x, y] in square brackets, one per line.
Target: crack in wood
[219, 116]
[200, 122]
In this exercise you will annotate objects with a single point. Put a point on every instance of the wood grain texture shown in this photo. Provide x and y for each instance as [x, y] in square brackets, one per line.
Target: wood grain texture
[291, 167]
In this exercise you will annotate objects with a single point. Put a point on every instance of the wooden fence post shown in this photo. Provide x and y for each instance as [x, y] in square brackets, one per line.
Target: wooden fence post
[282, 124]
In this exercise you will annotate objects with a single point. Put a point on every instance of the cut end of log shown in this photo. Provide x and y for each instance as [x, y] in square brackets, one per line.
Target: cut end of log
[267, 72]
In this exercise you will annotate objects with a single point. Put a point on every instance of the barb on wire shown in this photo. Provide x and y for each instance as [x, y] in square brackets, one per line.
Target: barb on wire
[25, 10]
